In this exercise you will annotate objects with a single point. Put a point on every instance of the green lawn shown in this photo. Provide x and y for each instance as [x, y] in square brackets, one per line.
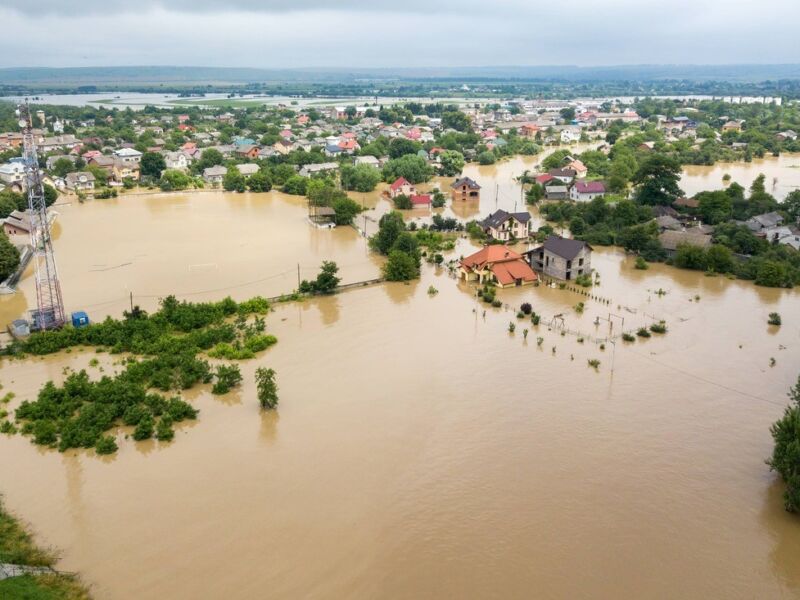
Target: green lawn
[17, 547]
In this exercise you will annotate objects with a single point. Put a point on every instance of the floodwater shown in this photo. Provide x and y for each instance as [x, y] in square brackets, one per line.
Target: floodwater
[420, 450]
[782, 175]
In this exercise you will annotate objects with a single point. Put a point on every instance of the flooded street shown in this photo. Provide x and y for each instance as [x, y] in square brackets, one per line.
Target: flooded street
[419, 450]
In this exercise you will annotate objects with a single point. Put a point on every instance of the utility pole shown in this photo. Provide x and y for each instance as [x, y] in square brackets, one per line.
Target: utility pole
[131, 301]
[298, 276]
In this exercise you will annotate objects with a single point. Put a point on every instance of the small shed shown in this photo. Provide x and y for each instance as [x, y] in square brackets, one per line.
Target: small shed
[80, 319]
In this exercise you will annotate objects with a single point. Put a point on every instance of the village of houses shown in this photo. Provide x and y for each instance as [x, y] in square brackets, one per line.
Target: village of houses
[339, 133]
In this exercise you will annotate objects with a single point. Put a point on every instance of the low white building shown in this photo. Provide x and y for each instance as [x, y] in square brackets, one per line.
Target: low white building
[128, 155]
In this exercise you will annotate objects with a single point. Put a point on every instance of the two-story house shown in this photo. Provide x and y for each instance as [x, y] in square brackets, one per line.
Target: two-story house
[80, 181]
[402, 187]
[128, 155]
[505, 226]
[562, 258]
[586, 191]
[465, 189]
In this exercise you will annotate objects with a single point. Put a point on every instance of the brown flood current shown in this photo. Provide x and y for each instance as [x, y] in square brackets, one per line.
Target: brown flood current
[419, 449]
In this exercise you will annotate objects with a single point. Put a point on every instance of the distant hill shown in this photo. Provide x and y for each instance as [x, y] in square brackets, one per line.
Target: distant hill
[224, 75]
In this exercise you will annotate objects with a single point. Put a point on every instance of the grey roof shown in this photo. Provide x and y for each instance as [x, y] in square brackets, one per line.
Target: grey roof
[668, 222]
[670, 240]
[500, 216]
[215, 171]
[470, 183]
[767, 220]
[562, 172]
[566, 248]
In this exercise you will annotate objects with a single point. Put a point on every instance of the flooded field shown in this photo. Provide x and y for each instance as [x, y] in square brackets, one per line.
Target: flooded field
[782, 175]
[420, 450]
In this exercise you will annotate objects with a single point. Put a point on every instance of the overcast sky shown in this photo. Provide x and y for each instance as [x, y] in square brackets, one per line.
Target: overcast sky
[413, 33]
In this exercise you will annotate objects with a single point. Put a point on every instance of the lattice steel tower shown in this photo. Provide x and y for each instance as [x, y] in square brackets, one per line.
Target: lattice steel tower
[49, 312]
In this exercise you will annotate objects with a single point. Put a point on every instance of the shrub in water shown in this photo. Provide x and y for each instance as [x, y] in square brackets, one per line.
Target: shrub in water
[774, 319]
[643, 333]
[526, 308]
[627, 337]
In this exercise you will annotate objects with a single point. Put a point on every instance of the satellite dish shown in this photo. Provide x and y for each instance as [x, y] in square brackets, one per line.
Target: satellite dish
[23, 123]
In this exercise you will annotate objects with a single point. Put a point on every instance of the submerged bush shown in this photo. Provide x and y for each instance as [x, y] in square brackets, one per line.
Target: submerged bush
[79, 412]
[627, 337]
[785, 458]
[660, 327]
[643, 333]
[774, 319]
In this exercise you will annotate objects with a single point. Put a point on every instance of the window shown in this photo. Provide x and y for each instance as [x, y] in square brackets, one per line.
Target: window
[580, 262]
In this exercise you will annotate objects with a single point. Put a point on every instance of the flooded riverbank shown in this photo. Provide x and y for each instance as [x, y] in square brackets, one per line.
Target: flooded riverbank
[419, 449]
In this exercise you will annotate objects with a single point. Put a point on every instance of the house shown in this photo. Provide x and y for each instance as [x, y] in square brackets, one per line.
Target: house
[505, 226]
[246, 151]
[122, 170]
[465, 189]
[318, 169]
[368, 160]
[789, 134]
[586, 191]
[420, 200]
[761, 223]
[402, 186]
[690, 203]
[667, 222]
[497, 264]
[789, 238]
[563, 175]
[732, 126]
[51, 161]
[214, 175]
[12, 172]
[128, 155]
[528, 130]
[670, 240]
[562, 258]
[580, 169]
[556, 192]
[646, 146]
[17, 223]
[80, 181]
[544, 179]
[176, 160]
[247, 169]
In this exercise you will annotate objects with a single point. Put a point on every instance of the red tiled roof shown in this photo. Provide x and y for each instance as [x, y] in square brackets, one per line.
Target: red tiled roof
[490, 254]
[509, 272]
[348, 144]
[398, 183]
[544, 178]
[421, 199]
[590, 187]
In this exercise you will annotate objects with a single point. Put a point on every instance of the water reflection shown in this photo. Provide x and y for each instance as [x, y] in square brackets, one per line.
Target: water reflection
[401, 293]
[268, 432]
[785, 531]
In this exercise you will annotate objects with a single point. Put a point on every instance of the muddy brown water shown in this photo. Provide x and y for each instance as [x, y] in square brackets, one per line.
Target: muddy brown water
[420, 450]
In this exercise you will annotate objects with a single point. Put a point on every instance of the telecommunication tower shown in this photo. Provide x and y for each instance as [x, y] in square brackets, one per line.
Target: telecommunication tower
[49, 312]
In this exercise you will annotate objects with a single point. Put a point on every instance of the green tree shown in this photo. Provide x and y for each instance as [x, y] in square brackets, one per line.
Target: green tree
[260, 181]
[689, 256]
[234, 181]
[402, 146]
[451, 162]
[346, 209]
[390, 227]
[402, 202]
[172, 179]
[296, 185]
[455, 119]
[715, 207]
[50, 195]
[719, 259]
[400, 267]
[9, 257]
[360, 178]
[62, 167]
[152, 165]
[657, 180]
[267, 389]
[486, 158]
[785, 458]
[414, 168]
[326, 281]
[791, 205]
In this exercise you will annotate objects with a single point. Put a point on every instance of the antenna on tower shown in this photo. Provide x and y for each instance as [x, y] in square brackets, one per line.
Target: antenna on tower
[49, 312]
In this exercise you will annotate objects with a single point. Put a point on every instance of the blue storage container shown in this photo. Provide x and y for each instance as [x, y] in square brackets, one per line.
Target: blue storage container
[80, 319]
